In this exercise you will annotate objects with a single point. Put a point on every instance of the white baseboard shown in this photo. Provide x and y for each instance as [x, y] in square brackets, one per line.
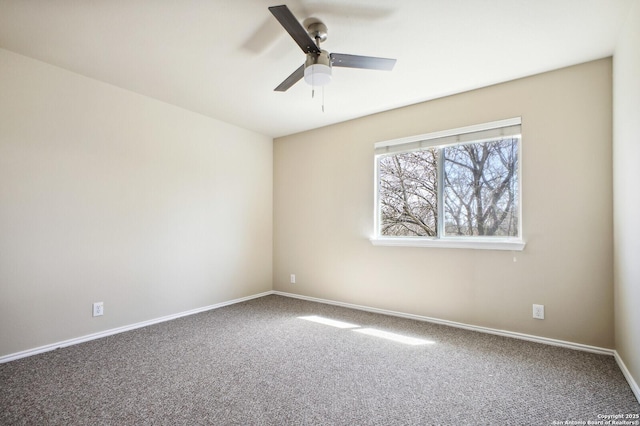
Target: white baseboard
[93, 336]
[544, 340]
[554, 342]
[627, 375]
[515, 335]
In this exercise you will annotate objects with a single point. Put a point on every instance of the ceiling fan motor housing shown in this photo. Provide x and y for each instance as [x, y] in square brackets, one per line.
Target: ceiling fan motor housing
[317, 68]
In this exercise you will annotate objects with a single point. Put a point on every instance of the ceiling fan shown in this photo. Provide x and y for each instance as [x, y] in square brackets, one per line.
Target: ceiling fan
[317, 67]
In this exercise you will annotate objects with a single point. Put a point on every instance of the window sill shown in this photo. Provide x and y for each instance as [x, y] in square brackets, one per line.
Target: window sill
[463, 243]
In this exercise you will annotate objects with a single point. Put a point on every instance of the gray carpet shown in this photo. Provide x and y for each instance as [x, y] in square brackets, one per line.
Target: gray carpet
[258, 363]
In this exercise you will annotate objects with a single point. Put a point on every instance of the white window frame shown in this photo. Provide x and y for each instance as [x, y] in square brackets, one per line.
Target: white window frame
[475, 133]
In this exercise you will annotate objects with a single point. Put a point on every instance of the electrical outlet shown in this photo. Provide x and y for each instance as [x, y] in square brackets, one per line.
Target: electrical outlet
[538, 311]
[98, 309]
[293, 278]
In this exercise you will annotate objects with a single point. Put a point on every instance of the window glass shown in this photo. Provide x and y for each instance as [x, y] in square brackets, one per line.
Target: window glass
[409, 194]
[481, 189]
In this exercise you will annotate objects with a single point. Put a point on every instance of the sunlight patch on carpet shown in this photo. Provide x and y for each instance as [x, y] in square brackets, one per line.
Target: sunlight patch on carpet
[329, 321]
[368, 331]
[393, 336]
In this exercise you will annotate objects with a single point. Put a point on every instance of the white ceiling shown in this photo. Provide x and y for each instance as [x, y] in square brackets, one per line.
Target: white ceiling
[223, 58]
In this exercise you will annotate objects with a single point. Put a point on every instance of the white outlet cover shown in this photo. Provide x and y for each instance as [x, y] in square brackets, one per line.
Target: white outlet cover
[538, 311]
[98, 309]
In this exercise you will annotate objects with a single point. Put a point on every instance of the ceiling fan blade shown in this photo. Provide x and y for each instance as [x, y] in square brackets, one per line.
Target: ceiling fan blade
[294, 28]
[366, 62]
[291, 80]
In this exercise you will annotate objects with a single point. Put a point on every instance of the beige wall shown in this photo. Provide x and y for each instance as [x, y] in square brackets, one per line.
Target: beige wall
[323, 214]
[626, 154]
[110, 196]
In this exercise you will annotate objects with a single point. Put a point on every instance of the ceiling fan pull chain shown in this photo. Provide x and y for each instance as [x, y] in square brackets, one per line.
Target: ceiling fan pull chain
[322, 98]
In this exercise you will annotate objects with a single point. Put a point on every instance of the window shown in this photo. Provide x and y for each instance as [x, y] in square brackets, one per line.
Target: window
[456, 188]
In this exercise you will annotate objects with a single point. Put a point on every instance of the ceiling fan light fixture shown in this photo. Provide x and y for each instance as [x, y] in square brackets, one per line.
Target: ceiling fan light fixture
[317, 68]
[317, 74]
